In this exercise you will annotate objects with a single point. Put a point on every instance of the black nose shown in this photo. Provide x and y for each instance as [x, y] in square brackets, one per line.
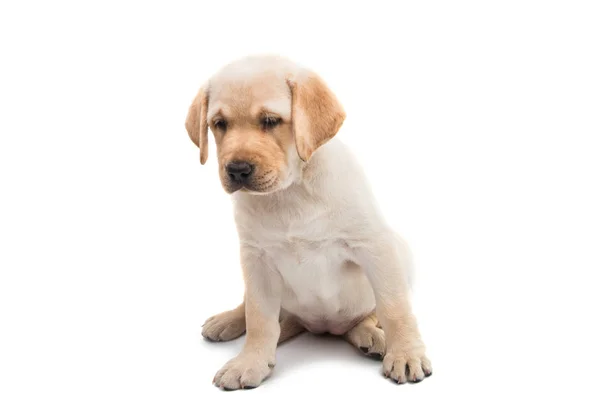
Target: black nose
[239, 171]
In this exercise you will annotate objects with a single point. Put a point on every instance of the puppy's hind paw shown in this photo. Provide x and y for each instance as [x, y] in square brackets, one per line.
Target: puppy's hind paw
[225, 326]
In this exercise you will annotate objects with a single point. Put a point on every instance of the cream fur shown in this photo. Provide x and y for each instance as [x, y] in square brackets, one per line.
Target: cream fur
[316, 252]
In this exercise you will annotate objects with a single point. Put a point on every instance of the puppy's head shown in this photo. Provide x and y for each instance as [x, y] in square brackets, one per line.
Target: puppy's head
[268, 116]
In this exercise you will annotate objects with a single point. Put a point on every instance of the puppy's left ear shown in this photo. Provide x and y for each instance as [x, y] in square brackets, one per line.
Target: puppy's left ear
[196, 124]
[317, 115]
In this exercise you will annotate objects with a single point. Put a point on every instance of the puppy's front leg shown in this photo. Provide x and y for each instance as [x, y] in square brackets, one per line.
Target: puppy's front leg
[263, 304]
[387, 263]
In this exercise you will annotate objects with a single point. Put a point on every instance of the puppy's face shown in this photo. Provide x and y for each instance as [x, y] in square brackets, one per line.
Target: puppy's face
[267, 117]
[250, 118]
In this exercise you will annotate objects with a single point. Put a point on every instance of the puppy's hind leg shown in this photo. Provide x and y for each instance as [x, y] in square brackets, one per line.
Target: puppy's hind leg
[230, 325]
[225, 326]
[290, 327]
[368, 337]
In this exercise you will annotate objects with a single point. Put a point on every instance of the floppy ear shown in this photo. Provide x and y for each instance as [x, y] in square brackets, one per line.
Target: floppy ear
[317, 115]
[196, 125]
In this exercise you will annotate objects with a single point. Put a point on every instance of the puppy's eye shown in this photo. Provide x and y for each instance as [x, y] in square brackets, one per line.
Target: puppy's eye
[220, 124]
[269, 122]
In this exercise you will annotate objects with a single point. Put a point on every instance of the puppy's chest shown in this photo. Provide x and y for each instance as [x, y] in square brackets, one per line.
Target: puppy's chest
[309, 252]
[312, 270]
[297, 253]
[314, 244]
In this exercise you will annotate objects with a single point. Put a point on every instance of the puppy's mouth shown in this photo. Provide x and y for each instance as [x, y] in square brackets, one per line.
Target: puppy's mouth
[258, 184]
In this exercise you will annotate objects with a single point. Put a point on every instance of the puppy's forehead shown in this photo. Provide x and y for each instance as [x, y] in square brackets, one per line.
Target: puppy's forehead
[247, 92]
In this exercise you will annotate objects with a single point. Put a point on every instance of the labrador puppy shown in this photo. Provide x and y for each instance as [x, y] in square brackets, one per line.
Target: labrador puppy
[315, 251]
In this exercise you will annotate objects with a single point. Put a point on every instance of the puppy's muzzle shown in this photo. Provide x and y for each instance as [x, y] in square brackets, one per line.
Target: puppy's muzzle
[239, 172]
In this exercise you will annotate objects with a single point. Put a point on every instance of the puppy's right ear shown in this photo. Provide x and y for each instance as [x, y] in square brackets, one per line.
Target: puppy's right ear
[196, 124]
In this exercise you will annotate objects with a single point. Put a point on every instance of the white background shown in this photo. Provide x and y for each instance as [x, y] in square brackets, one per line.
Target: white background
[477, 122]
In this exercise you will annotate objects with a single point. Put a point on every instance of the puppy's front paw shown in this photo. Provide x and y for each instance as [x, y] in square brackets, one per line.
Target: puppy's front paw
[402, 364]
[243, 372]
[225, 326]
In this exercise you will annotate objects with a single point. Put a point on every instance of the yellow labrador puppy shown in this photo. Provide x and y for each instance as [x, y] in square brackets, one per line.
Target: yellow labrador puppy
[316, 253]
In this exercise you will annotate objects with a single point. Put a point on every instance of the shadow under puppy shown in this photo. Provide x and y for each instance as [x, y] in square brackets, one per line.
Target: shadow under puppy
[316, 253]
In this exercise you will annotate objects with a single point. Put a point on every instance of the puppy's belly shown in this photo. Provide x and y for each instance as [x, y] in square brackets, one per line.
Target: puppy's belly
[330, 326]
[323, 288]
